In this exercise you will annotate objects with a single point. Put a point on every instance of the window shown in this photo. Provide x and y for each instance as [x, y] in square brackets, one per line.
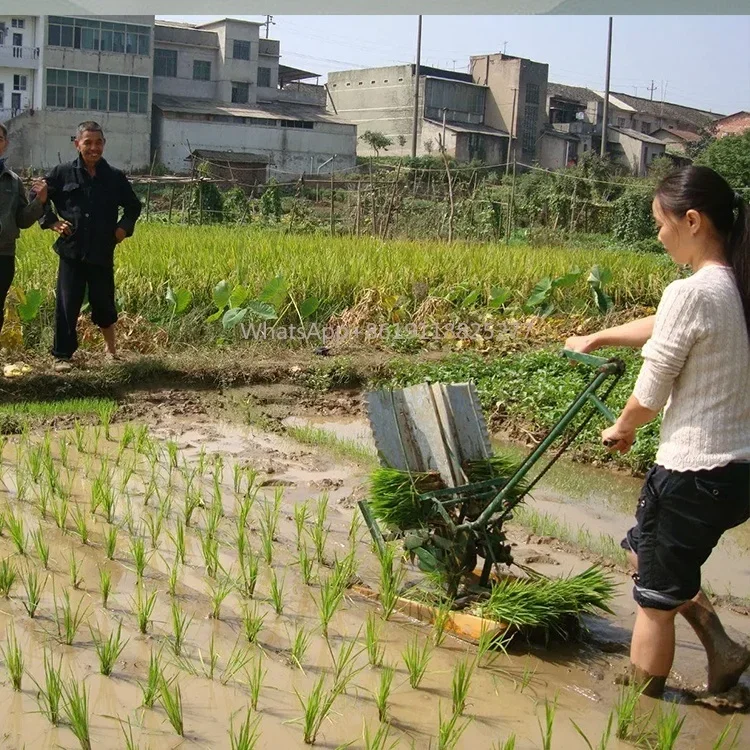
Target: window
[302, 124]
[201, 70]
[532, 93]
[620, 122]
[2, 94]
[19, 83]
[18, 23]
[264, 77]
[98, 36]
[97, 91]
[240, 92]
[165, 62]
[645, 127]
[241, 50]
[528, 136]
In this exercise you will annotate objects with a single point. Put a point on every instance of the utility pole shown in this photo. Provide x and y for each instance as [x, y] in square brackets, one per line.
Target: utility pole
[415, 124]
[269, 22]
[605, 114]
[651, 89]
[445, 110]
[505, 46]
[512, 135]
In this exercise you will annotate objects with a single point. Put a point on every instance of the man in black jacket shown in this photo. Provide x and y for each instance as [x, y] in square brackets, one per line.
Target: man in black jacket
[87, 195]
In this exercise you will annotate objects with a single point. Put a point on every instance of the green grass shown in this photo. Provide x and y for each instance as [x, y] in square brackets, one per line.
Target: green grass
[340, 447]
[63, 407]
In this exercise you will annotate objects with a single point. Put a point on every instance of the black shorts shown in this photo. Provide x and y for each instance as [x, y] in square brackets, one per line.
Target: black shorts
[680, 518]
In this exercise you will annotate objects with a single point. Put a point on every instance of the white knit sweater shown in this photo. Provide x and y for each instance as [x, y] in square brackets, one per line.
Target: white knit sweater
[697, 362]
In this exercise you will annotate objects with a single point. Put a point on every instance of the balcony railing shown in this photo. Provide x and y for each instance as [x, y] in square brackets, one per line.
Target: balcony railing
[18, 57]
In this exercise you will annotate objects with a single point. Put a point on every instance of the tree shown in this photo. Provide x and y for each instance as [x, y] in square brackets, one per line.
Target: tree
[402, 140]
[428, 145]
[376, 141]
[730, 157]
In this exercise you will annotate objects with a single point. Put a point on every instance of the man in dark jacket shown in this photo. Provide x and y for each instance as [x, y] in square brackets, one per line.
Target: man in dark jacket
[87, 195]
[16, 213]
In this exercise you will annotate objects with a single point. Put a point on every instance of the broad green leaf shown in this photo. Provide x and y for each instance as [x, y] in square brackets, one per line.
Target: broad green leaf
[567, 280]
[238, 296]
[29, 308]
[309, 307]
[602, 299]
[498, 297]
[471, 299]
[232, 317]
[274, 293]
[215, 316]
[183, 298]
[221, 294]
[261, 310]
[599, 275]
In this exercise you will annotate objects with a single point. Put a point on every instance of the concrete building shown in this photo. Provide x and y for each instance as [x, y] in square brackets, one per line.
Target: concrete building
[676, 141]
[735, 124]
[382, 100]
[71, 69]
[220, 89]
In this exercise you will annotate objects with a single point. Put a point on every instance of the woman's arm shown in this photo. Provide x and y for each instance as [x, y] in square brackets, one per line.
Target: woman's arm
[634, 334]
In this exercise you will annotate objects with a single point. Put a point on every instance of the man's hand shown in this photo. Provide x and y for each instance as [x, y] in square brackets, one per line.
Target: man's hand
[617, 438]
[581, 344]
[63, 228]
[120, 235]
[39, 188]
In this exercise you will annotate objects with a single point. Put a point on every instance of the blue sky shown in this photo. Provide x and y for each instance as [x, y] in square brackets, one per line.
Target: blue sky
[700, 61]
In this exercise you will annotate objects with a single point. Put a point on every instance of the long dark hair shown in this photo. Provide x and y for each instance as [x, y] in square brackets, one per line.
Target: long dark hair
[706, 191]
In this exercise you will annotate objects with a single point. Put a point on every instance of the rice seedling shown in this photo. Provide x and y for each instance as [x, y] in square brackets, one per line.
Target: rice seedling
[249, 568]
[33, 588]
[105, 586]
[16, 531]
[50, 694]
[21, 484]
[442, 618]
[13, 658]
[59, 508]
[305, 563]
[178, 539]
[490, 641]
[726, 740]
[266, 544]
[319, 531]
[391, 580]
[80, 436]
[668, 727]
[41, 547]
[238, 659]
[172, 453]
[252, 622]
[154, 526]
[129, 519]
[630, 725]
[76, 709]
[237, 474]
[218, 468]
[380, 740]
[210, 550]
[174, 577]
[219, 591]
[139, 555]
[127, 474]
[213, 659]
[130, 741]
[301, 516]
[213, 517]
[375, 651]
[80, 524]
[68, 621]
[247, 735]
[508, 744]
[316, 706]
[255, 679]
[345, 570]
[383, 693]
[2, 522]
[300, 645]
[416, 660]
[201, 468]
[550, 709]
[331, 596]
[43, 501]
[193, 501]
[7, 577]
[180, 624]
[150, 490]
[128, 437]
[277, 593]
[143, 607]
[108, 651]
[528, 674]
[462, 674]
[150, 690]
[449, 731]
[603, 743]
[142, 439]
[105, 417]
[74, 570]
[245, 505]
[110, 542]
[547, 603]
[171, 701]
[35, 463]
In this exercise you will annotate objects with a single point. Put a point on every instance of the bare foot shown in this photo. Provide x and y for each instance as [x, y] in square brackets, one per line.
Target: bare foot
[725, 670]
[651, 686]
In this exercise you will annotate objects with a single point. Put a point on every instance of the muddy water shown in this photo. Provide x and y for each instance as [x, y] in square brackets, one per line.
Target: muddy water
[505, 698]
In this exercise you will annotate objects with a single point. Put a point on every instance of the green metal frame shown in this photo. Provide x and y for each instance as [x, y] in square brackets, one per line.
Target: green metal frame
[499, 489]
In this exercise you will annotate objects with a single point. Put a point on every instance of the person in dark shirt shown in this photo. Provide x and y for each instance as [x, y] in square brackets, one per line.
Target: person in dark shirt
[16, 213]
[87, 195]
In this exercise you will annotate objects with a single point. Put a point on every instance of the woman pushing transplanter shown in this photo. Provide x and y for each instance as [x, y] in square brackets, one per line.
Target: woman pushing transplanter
[696, 367]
